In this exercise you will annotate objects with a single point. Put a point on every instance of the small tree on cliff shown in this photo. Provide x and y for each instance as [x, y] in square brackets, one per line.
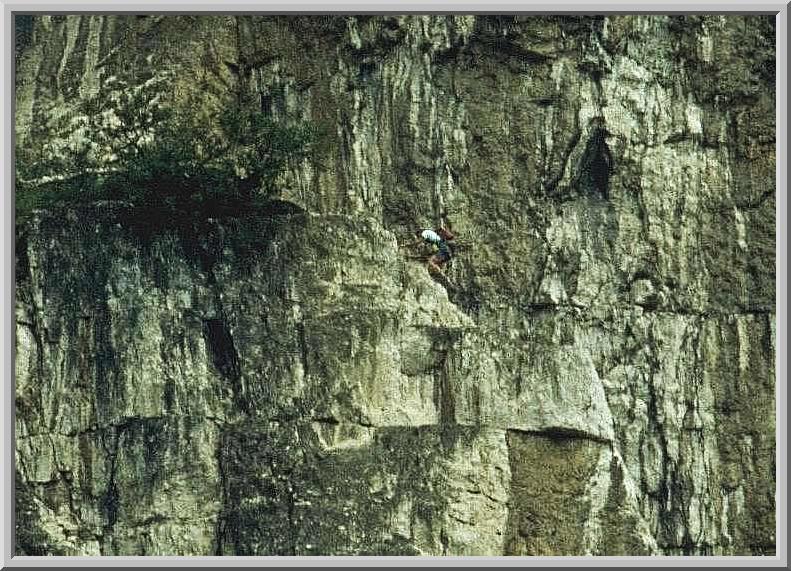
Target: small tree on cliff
[127, 143]
[181, 155]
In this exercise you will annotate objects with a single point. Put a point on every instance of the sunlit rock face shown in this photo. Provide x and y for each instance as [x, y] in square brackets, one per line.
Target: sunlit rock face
[600, 380]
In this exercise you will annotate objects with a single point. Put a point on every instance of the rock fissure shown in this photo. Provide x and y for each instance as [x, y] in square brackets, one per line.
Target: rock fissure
[285, 381]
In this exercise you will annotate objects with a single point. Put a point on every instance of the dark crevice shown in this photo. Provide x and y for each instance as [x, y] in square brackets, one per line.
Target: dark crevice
[224, 356]
[220, 343]
[447, 413]
[563, 433]
[220, 525]
[109, 392]
[111, 499]
[655, 427]
[595, 166]
[22, 271]
[443, 538]
[444, 399]
[169, 395]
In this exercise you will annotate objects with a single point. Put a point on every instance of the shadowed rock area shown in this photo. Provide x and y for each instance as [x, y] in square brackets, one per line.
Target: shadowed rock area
[292, 381]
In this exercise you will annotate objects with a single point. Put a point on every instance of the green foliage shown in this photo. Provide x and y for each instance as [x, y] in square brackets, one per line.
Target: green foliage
[126, 143]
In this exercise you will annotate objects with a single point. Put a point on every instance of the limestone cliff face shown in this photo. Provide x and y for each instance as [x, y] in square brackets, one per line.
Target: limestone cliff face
[600, 382]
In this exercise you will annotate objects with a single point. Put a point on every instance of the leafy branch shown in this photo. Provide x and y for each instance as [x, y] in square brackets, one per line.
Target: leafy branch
[128, 142]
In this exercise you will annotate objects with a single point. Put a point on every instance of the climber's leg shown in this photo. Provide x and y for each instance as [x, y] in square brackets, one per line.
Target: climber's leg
[435, 264]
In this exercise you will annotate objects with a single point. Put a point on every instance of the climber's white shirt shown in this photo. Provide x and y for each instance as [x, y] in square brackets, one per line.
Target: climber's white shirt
[431, 236]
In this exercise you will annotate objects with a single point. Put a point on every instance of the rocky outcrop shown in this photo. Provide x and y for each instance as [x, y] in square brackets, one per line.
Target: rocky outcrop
[601, 381]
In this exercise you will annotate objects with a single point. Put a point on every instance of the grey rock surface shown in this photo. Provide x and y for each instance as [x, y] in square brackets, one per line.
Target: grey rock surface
[600, 382]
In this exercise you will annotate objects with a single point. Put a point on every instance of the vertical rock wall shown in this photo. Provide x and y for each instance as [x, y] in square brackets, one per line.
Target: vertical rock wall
[600, 382]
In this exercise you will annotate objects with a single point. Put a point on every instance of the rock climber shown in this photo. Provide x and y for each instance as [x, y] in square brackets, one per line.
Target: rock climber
[439, 239]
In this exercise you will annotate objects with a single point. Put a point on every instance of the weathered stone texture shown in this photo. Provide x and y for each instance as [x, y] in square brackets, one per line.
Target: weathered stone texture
[601, 381]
